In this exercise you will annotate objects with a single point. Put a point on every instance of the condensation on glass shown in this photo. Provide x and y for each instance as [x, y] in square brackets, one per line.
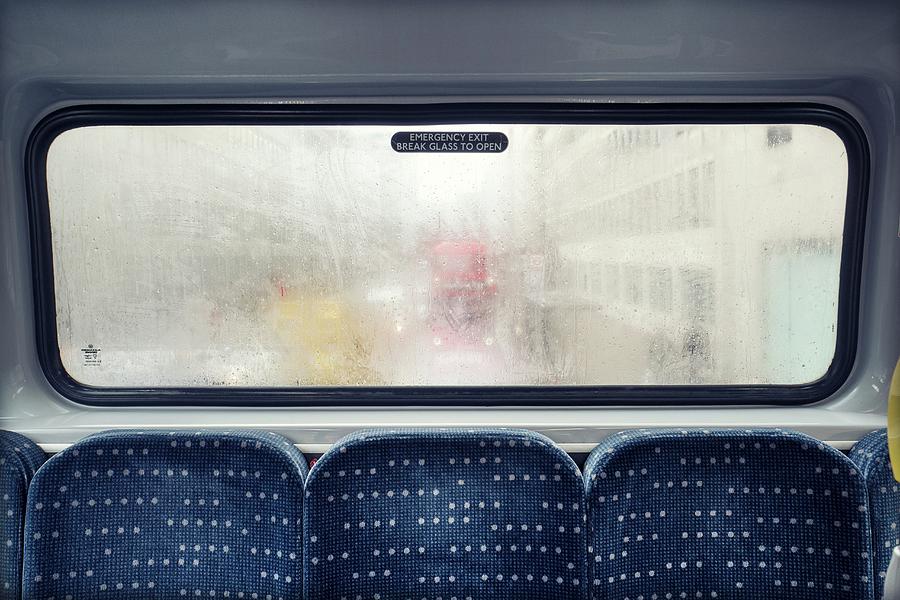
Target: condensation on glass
[284, 256]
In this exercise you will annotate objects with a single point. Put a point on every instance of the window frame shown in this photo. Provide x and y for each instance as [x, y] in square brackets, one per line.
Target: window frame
[403, 115]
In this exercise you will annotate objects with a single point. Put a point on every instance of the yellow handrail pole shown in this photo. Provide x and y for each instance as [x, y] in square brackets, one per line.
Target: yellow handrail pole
[894, 422]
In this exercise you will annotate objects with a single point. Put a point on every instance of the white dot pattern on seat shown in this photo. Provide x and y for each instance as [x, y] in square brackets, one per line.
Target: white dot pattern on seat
[29, 452]
[722, 514]
[444, 515]
[19, 459]
[138, 515]
[872, 457]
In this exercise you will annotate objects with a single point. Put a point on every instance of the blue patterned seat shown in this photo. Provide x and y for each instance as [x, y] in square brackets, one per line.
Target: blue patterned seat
[871, 455]
[29, 452]
[444, 514]
[19, 459]
[150, 514]
[755, 515]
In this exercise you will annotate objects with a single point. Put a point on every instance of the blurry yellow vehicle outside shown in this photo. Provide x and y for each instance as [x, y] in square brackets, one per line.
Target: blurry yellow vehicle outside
[327, 342]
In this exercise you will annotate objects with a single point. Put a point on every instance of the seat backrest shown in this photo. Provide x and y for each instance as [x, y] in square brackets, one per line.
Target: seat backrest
[19, 459]
[28, 452]
[464, 514]
[754, 514]
[151, 514]
[871, 455]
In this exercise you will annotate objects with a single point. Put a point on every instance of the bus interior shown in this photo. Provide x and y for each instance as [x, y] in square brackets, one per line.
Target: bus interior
[449, 301]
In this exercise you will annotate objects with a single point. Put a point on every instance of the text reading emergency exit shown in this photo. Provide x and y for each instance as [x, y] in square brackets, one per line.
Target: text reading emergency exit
[449, 141]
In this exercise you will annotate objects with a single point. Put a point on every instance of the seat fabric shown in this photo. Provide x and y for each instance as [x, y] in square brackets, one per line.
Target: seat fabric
[871, 455]
[444, 514]
[152, 514]
[19, 459]
[30, 453]
[750, 514]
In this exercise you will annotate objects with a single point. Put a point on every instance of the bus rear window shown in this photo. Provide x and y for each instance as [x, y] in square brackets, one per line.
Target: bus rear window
[294, 256]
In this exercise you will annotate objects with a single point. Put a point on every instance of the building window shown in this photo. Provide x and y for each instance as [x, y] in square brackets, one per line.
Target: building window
[777, 135]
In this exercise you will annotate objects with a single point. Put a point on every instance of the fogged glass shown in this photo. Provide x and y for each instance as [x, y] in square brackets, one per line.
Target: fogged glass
[320, 256]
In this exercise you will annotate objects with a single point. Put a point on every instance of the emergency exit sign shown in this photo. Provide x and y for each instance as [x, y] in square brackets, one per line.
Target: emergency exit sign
[449, 141]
